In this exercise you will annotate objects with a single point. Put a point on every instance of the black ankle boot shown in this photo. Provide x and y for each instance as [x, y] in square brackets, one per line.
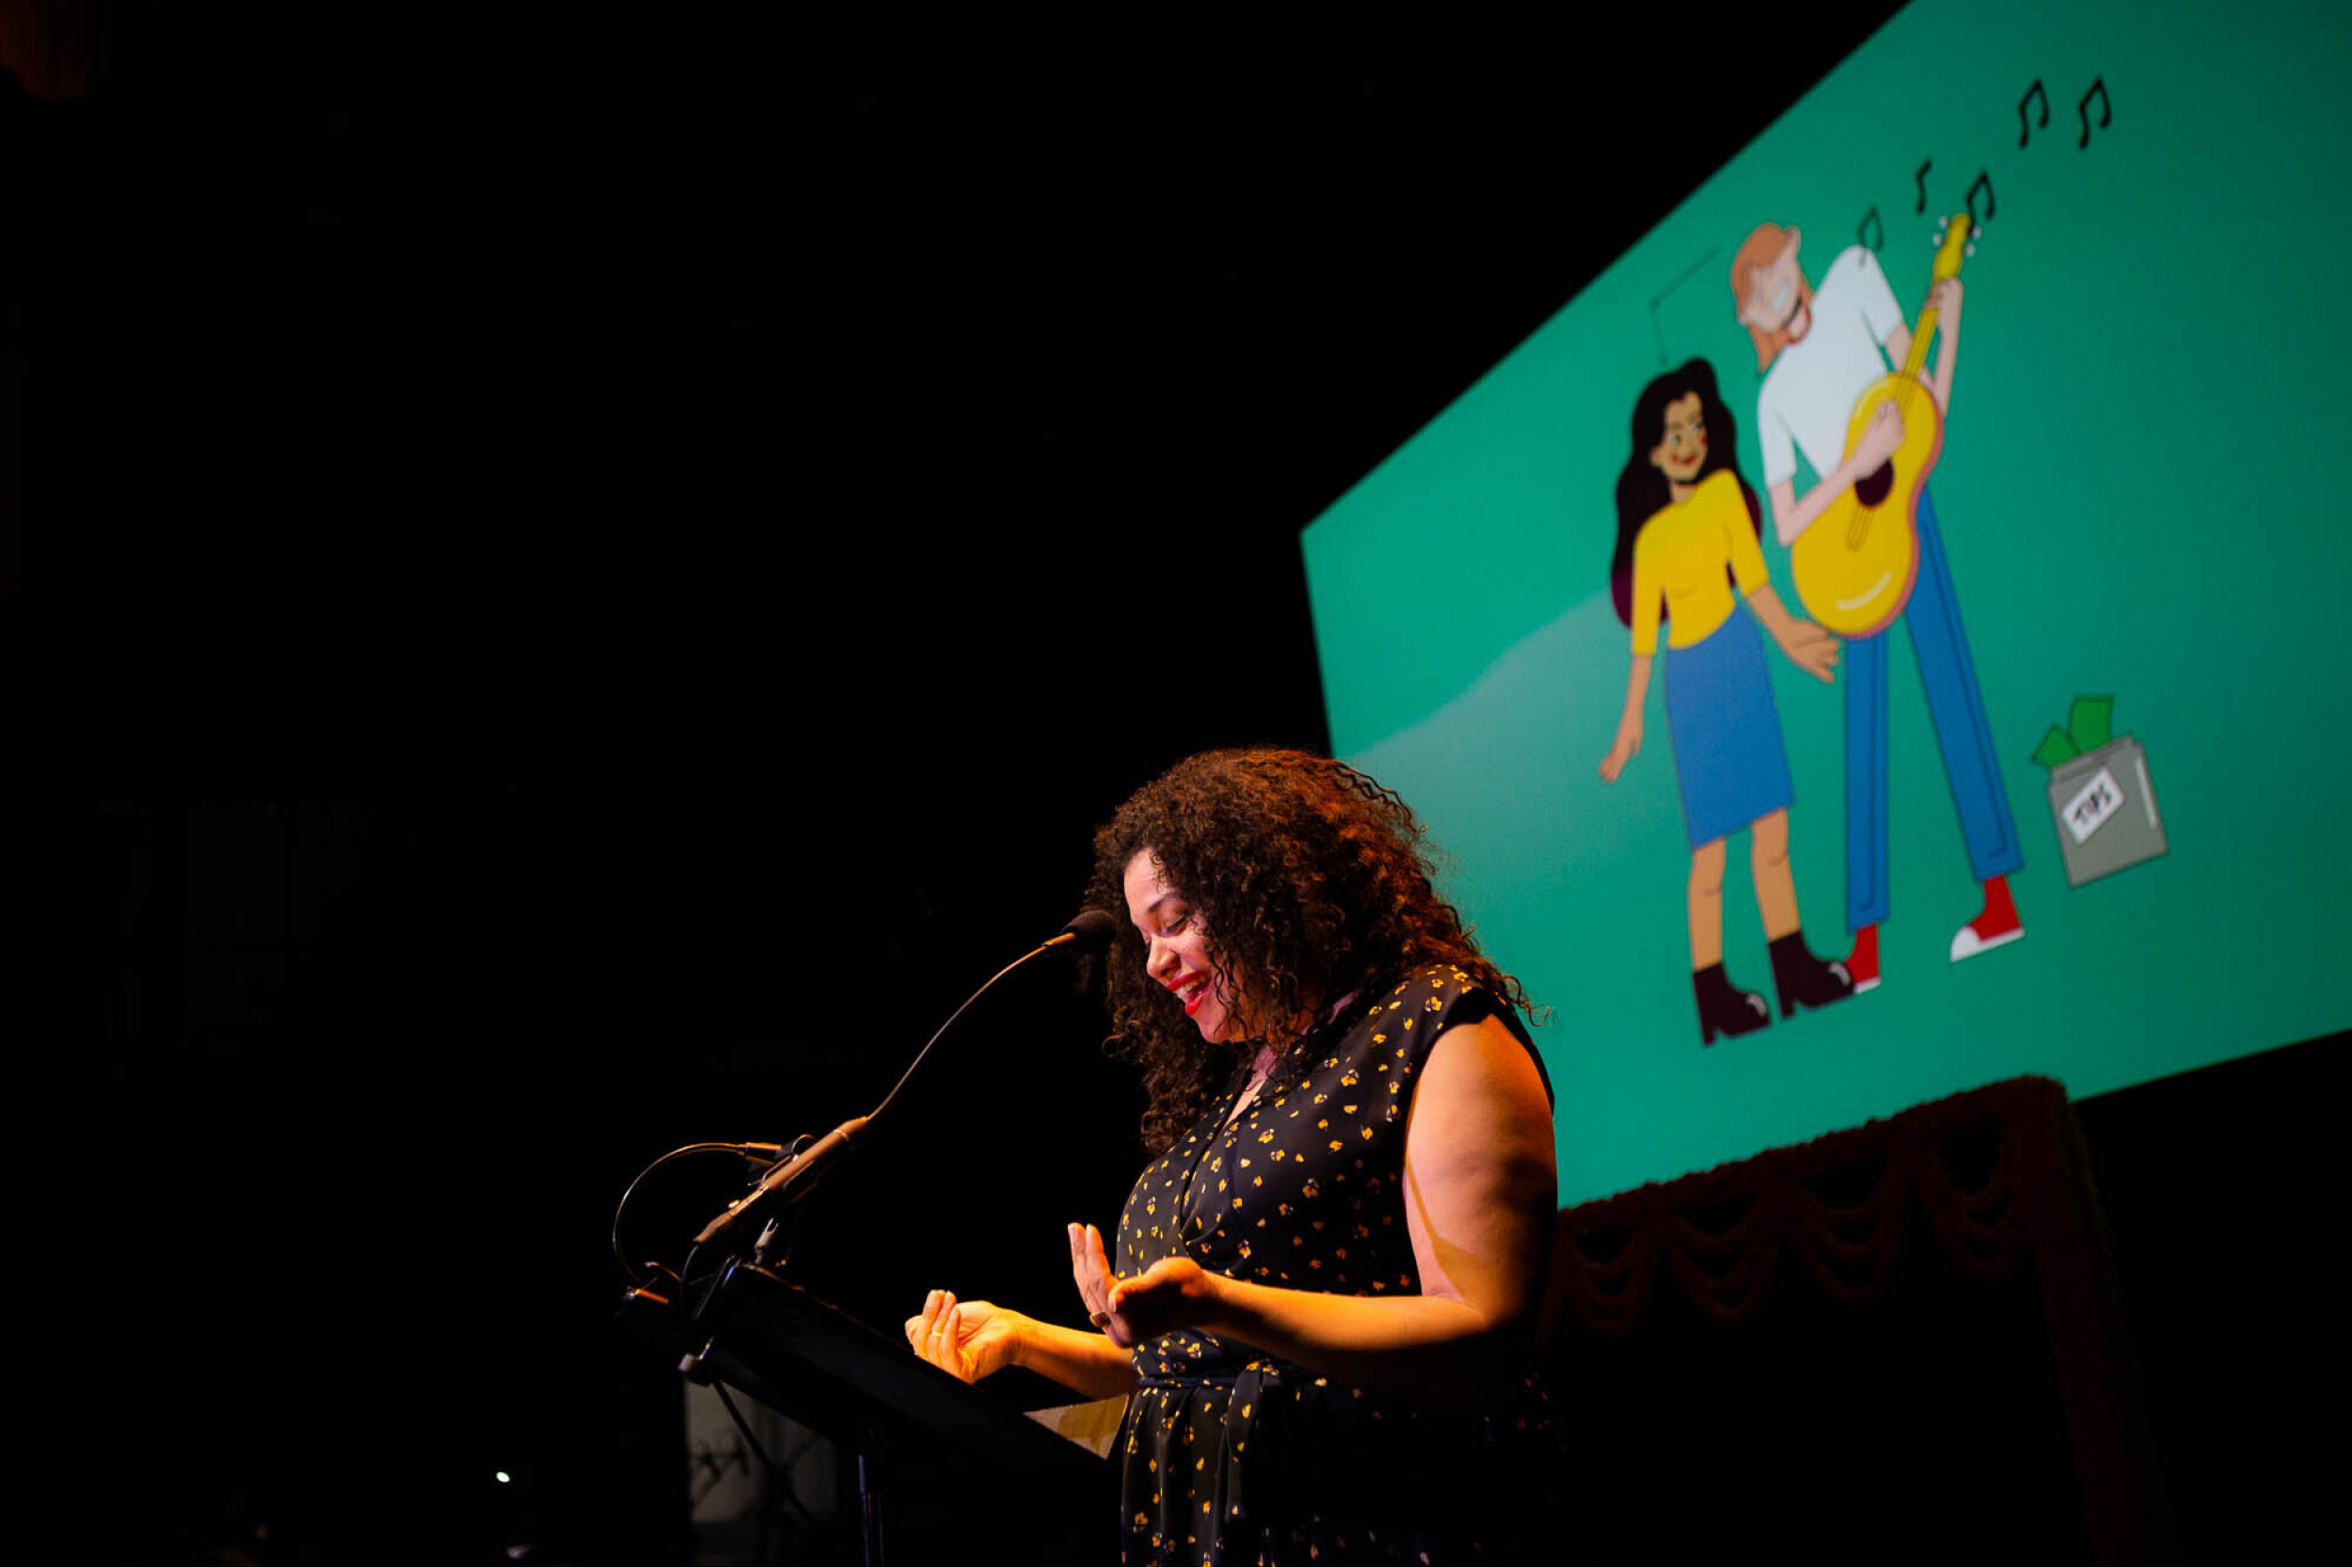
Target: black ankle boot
[1804, 980]
[1723, 1007]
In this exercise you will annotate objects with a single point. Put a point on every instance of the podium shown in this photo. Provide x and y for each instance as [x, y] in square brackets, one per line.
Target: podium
[914, 1429]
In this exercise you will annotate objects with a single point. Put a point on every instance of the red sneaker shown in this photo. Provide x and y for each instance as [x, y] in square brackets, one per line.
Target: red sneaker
[1862, 964]
[1997, 926]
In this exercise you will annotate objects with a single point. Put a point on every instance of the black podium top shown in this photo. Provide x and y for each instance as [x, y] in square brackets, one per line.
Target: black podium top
[827, 1370]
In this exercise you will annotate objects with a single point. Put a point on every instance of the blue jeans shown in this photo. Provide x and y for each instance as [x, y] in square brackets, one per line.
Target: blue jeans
[1955, 706]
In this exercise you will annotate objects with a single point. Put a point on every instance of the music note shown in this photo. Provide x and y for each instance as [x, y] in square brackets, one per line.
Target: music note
[1925, 165]
[2024, 130]
[1862, 230]
[2106, 110]
[1984, 184]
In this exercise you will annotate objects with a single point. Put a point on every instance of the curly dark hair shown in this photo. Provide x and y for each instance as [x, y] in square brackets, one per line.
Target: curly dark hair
[1309, 880]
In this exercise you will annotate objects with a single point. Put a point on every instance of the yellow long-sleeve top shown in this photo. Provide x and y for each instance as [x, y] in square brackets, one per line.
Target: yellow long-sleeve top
[1679, 562]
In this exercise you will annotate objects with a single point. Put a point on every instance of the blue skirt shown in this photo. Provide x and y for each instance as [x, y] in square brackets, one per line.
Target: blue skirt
[1729, 756]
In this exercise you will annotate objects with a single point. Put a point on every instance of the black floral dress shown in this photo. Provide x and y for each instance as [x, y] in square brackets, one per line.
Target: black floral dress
[1230, 1455]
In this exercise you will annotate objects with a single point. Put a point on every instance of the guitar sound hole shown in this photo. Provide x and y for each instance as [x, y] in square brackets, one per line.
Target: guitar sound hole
[1872, 488]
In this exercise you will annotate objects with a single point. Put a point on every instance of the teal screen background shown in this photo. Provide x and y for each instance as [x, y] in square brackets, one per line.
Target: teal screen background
[2137, 497]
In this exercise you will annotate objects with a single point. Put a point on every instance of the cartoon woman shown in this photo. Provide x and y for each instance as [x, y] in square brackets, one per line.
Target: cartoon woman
[1687, 530]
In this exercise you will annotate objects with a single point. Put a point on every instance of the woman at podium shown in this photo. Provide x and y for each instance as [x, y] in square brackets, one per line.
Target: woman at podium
[1322, 1294]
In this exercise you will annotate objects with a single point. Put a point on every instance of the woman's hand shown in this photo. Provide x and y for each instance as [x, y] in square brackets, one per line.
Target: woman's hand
[1628, 742]
[1175, 1292]
[1809, 646]
[1090, 1266]
[1171, 1293]
[968, 1339]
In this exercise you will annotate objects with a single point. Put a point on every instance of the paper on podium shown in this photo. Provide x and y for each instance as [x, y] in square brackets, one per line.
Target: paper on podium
[1093, 1426]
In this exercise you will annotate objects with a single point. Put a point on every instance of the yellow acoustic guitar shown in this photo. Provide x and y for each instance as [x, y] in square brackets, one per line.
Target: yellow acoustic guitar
[1856, 565]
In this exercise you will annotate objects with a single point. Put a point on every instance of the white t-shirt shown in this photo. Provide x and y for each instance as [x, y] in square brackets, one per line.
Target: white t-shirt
[1808, 395]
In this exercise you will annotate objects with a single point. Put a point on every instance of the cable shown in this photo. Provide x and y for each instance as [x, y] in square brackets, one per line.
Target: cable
[628, 1270]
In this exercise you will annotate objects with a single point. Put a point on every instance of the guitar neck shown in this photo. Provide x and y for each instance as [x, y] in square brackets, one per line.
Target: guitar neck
[1916, 360]
[1952, 248]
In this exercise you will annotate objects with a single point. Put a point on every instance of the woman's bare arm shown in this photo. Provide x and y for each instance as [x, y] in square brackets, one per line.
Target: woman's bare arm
[1479, 1208]
[1629, 738]
[1077, 1359]
[973, 1339]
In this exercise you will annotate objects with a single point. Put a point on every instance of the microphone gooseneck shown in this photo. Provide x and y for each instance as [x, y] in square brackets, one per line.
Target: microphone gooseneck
[1089, 931]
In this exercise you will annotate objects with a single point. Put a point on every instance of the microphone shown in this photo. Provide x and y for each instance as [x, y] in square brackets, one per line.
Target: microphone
[791, 1179]
[1088, 931]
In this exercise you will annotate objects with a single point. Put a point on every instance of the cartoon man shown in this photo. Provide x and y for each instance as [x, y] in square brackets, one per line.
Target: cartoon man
[1819, 349]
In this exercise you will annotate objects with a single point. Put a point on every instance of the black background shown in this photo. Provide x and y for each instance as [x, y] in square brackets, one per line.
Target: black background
[590, 577]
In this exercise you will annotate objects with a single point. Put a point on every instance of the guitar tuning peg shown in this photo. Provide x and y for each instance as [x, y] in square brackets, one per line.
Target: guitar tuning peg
[1972, 247]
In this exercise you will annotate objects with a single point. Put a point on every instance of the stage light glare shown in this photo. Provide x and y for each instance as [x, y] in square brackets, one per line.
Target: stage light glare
[505, 1477]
